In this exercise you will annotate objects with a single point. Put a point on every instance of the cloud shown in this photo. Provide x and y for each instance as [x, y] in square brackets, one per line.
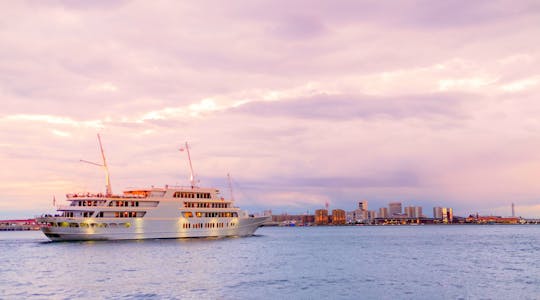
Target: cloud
[431, 102]
[520, 85]
[298, 27]
[343, 107]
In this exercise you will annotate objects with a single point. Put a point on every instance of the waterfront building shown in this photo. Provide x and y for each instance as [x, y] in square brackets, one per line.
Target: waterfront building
[443, 214]
[371, 215]
[321, 217]
[383, 212]
[437, 212]
[363, 205]
[413, 211]
[286, 219]
[360, 214]
[338, 216]
[350, 217]
[409, 211]
[394, 208]
[17, 225]
[492, 220]
[356, 216]
[308, 219]
[418, 212]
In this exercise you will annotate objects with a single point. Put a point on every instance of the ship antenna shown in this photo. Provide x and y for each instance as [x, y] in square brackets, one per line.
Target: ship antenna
[230, 186]
[191, 177]
[104, 166]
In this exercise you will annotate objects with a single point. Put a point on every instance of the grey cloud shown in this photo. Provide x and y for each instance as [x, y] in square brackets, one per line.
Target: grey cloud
[415, 13]
[86, 5]
[398, 179]
[359, 107]
[298, 26]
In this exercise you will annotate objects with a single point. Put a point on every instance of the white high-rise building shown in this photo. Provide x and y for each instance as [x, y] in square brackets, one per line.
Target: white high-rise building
[413, 211]
[394, 209]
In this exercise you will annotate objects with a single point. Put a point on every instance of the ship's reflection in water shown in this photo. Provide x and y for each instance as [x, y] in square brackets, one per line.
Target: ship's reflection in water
[297, 263]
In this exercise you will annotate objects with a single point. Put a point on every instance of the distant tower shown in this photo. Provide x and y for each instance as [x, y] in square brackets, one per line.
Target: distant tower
[394, 208]
[513, 210]
[326, 205]
[363, 205]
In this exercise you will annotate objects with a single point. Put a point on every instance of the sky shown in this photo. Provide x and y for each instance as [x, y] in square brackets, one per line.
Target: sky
[430, 103]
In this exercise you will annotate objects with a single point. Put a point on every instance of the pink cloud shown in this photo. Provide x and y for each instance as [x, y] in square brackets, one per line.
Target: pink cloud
[412, 100]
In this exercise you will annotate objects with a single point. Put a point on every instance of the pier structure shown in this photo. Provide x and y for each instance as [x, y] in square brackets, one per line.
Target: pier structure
[18, 225]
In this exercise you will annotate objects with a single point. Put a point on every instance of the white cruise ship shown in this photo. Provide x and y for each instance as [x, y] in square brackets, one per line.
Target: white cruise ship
[149, 213]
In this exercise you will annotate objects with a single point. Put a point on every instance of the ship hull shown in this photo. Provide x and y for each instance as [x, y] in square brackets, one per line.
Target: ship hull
[140, 229]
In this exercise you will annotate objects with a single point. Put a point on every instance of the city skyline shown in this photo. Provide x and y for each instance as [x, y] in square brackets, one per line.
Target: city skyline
[304, 103]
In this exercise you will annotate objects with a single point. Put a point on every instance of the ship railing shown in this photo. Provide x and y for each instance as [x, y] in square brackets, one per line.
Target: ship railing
[69, 207]
[100, 195]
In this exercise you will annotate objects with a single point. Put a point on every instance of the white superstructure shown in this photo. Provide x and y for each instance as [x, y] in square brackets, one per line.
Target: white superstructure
[166, 212]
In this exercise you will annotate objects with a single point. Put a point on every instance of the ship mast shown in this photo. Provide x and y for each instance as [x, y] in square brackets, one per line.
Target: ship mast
[104, 166]
[230, 186]
[191, 177]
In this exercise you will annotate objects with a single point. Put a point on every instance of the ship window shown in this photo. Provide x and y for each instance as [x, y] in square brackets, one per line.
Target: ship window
[198, 214]
[73, 224]
[188, 214]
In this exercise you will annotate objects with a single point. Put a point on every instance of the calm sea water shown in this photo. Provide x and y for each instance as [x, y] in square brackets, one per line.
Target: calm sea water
[394, 262]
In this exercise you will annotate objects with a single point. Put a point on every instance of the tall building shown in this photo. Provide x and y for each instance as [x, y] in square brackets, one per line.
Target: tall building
[437, 212]
[444, 214]
[321, 217]
[363, 205]
[394, 208]
[360, 214]
[449, 215]
[409, 211]
[413, 211]
[418, 211]
[338, 216]
[383, 212]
